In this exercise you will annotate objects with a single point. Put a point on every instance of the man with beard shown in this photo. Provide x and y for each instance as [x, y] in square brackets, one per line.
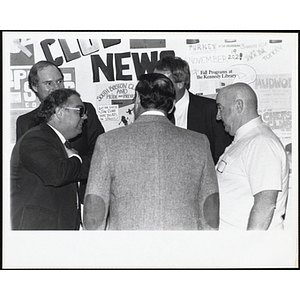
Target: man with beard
[191, 111]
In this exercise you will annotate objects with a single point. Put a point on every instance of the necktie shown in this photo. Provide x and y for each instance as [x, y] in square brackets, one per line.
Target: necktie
[68, 144]
[171, 116]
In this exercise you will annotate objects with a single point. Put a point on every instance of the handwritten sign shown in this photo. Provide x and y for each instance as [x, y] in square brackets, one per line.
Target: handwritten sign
[108, 112]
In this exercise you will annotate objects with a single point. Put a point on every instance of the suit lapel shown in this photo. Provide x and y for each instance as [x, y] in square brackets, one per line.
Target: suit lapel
[191, 117]
[56, 140]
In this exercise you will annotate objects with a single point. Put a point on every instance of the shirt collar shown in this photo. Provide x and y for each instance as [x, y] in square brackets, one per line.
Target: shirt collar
[61, 137]
[153, 112]
[247, 127]
[183, 101]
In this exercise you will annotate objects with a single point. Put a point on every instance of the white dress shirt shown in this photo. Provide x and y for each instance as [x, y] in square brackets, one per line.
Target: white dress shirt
[153, 112]
[181, 111]
[63, 140]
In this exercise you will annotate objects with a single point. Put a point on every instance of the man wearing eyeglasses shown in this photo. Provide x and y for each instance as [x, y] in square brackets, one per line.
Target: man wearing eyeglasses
[45, 77]
[45, 169]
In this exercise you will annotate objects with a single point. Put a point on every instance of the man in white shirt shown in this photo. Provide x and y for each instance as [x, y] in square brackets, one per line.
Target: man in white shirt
[253, 171]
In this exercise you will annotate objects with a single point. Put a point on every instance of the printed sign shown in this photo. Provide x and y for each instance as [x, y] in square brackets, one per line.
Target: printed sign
[22, 96]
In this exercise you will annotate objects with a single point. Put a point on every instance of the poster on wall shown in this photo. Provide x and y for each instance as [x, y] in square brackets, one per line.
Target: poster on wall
[263, 62]
[104, 68]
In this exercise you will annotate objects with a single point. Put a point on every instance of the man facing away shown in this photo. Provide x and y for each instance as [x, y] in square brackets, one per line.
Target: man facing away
[44, 171]
[193, 112]
[45, 77]
[152, 175]
[253, 171]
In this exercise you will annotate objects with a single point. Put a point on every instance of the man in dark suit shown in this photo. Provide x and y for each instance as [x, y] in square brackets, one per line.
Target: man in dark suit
[152, 175]
[45, 77]
[191, 111]
[45, 169]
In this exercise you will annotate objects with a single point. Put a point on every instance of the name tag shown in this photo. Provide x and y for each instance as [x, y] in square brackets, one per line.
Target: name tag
[221, 166]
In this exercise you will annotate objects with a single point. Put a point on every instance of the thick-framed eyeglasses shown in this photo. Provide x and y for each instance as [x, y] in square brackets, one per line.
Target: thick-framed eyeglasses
[81, 110]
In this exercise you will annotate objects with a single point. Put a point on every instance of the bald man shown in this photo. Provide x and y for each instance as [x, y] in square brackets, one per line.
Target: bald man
[253, 171]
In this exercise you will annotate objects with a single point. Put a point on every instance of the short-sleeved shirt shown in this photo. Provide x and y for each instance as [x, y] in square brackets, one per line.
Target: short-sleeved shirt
[255, 161]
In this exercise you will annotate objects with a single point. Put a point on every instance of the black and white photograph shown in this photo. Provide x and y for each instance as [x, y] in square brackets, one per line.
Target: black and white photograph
[154, 149]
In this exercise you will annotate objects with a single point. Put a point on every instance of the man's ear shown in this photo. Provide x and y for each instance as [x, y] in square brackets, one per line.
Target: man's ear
[34, 87]
[239, 105]
[180, 85]
[59, 111]
[137, 98]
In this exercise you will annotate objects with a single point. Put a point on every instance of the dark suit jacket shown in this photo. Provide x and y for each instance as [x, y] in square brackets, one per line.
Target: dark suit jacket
[84, 143]
[43, 182]
[202, 114]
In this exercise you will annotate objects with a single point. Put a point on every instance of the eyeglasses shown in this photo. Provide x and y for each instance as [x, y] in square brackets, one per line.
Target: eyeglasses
[81, 110]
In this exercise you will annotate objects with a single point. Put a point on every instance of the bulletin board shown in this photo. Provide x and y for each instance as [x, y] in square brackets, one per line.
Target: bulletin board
[104, 66]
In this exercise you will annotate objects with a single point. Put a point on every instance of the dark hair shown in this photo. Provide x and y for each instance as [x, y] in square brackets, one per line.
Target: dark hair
[178, 67]
[55, 99]
[156, 91]
[33, 78]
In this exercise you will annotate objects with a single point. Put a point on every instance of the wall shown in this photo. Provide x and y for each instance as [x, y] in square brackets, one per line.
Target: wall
[104, 66]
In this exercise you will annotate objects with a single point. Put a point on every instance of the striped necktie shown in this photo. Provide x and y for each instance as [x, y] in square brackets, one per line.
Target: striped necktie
[68, 144]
